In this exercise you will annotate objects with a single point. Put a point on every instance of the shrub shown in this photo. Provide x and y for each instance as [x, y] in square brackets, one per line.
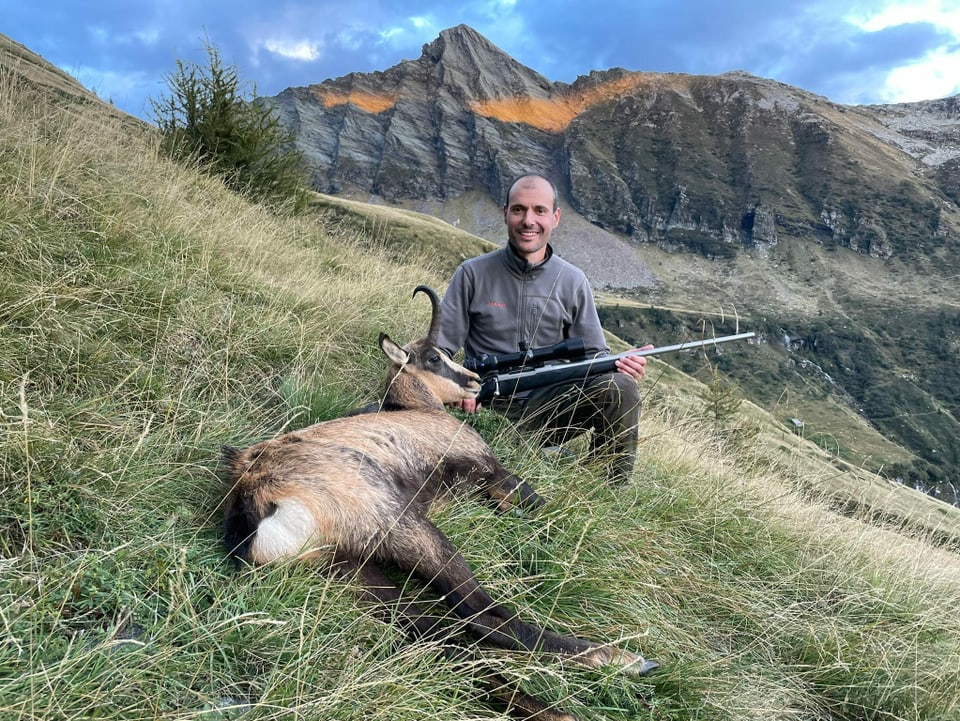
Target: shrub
[208, 119]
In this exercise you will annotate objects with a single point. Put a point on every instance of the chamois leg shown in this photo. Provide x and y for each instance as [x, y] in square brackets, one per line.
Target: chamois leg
[420, 547]
[508, 491]
[375, 586]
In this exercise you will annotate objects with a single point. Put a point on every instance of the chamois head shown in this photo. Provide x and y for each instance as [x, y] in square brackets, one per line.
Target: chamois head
[421, 374]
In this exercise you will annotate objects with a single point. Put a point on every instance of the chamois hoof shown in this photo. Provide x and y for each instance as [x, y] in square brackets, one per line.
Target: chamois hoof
[627, 663]
[640, 667]
[647, 667]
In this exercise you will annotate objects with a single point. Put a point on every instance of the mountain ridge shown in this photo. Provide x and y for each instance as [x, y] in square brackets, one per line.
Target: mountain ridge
[465, 116]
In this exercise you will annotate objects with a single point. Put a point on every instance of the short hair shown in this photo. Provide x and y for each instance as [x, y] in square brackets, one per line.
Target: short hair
[553, 187]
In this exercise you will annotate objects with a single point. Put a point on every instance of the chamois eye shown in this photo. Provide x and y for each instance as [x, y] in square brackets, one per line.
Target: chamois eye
[434, 360]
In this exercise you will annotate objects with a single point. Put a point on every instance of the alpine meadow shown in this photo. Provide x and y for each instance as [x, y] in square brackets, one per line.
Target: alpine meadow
[149, 316]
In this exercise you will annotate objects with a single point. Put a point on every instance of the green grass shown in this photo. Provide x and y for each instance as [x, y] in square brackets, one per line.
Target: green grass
[404, 236]
[148, 316]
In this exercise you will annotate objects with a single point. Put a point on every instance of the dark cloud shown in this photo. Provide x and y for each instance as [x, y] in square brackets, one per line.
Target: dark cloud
[806, 44]
[663, 36]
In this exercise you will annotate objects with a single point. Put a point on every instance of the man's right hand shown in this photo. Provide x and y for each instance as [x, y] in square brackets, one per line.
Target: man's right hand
[468, 405]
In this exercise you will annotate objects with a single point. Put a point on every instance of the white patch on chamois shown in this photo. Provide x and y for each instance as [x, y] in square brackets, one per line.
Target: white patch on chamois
[284, 533]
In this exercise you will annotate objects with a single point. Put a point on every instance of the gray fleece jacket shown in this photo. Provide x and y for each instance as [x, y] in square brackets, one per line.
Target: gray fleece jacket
[498, 300]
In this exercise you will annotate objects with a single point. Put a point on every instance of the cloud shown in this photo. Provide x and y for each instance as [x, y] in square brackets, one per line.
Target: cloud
[857, 66]
[304, 50]
[936, 76]
[392, 34]
[424, 23]
[148, 36]
[924, 70]
[410, 32]
[878, 16]
[351, 39]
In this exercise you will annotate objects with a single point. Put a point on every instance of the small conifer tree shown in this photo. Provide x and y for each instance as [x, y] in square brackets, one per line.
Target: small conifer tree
[722, 401]
[207, 119]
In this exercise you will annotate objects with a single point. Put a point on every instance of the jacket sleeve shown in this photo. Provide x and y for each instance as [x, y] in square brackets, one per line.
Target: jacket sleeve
[455, 313]
[586, 323]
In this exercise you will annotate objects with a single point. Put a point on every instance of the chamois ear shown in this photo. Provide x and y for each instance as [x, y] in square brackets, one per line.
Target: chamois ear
[394, 352]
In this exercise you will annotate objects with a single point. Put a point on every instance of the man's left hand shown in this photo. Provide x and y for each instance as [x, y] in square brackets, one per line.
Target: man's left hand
[634, 366]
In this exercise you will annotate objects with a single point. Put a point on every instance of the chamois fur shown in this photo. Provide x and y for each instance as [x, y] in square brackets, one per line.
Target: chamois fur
[354, 493]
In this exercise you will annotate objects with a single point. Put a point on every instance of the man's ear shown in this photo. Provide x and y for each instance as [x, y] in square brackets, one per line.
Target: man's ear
[394, 352]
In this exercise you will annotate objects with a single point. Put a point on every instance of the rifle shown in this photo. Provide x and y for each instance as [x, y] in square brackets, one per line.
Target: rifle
[519, 376]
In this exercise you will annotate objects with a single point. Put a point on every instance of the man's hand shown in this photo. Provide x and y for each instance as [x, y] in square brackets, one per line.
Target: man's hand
[634, 366]
[467, 405]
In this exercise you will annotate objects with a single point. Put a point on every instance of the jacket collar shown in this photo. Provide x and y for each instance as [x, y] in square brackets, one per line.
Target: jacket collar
[521, 266]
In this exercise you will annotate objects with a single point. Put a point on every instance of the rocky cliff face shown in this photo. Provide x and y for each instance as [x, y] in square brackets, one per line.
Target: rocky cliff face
[706, 164]
[415, 130]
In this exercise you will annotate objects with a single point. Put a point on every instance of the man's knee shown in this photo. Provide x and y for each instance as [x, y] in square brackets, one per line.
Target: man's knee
[628, 388]
[621, 394]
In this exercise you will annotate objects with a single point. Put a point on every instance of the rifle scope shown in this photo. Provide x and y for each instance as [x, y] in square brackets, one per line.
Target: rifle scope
[569, 349]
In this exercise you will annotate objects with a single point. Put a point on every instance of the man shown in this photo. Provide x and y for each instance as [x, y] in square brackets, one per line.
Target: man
[524, 296]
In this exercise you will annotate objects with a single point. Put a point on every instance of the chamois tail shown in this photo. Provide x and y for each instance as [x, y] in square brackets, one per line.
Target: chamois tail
[258, 525]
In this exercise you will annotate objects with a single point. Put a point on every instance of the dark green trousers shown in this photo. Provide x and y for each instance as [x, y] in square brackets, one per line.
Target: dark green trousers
[608, 404]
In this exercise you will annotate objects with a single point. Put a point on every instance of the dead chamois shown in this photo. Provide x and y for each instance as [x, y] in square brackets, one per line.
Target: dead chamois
[354, 493]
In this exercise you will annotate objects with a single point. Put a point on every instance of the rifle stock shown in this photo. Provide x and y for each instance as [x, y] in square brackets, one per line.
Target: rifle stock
[507, 384]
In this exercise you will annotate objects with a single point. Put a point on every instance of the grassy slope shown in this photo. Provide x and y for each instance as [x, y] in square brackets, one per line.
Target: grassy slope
[403, 235]
[147, 316]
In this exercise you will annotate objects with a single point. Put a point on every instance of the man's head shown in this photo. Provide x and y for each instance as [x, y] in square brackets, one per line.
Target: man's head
[531, 213]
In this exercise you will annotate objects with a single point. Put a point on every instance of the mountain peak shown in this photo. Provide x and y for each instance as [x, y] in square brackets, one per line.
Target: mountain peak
[465, 33]
[462, 56]
[462, 40]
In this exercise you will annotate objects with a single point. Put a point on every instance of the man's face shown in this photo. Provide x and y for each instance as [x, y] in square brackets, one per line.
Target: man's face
[531, 218]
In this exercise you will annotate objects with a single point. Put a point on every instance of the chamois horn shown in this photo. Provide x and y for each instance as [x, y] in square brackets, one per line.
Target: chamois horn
[434, 333]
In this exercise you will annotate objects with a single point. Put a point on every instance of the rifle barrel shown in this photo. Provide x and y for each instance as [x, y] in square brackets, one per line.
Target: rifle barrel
[689, 345]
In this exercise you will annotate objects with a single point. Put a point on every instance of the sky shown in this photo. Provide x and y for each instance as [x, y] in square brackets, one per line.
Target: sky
[851, 51]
